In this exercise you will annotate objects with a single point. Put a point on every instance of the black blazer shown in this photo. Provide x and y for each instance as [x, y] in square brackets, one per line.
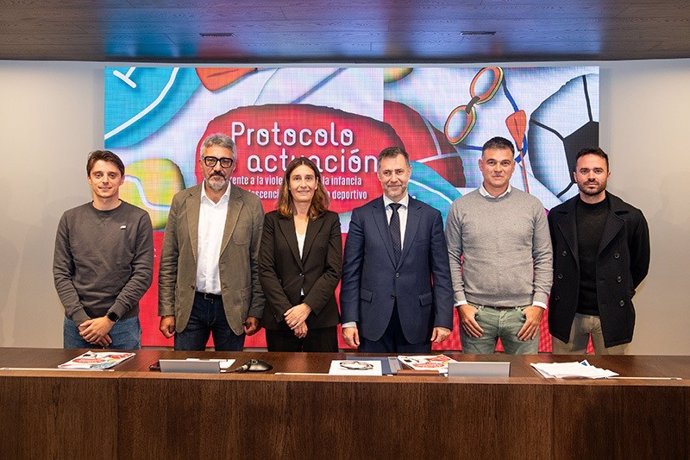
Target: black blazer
[284, 275]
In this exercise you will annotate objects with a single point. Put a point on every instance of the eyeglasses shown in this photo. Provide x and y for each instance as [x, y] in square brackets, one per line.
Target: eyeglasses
[224, 162]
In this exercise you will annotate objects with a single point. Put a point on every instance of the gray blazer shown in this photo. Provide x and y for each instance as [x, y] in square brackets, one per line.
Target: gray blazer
[238, 263]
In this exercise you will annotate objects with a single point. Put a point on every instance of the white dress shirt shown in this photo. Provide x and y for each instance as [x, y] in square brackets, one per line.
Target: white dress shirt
[212, 218]
[300, 241]
[402, 214]
[301, 237]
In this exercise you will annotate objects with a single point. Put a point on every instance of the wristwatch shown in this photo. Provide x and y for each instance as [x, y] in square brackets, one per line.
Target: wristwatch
[112, 316]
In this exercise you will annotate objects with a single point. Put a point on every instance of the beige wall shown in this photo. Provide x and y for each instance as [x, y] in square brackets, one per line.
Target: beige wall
[51, 115]
[645, 122]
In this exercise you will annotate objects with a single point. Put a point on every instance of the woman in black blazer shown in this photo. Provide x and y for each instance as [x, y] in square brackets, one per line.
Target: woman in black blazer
[300, 263]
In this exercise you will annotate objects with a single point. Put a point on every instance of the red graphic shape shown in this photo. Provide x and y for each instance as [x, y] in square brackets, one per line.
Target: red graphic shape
[148, 305]
[423, 141]
[343, 145]
[215, 78]
[517, 124]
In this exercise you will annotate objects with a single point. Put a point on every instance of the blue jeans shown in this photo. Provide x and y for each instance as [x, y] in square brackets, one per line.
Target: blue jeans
[503, 323]
[126, 335]
[208, 316]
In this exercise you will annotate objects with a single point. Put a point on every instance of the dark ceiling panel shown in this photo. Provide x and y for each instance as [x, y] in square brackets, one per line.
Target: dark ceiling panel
[387, 31]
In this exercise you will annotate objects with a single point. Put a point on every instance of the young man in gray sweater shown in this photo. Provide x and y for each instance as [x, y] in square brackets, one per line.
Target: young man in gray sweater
[500, 258]
[103, 262]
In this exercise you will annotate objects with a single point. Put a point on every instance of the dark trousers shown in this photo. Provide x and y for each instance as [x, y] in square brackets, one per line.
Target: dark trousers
[208, 316]
[393, 340]
[323, 339]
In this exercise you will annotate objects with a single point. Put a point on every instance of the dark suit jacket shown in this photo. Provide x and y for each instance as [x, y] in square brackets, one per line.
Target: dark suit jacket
[622, 264]
[284, 274]
[420, 282]
[238, 261]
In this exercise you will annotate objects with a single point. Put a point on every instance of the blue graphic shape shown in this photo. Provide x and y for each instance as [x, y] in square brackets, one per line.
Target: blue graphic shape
[430, 187]
[141, 100]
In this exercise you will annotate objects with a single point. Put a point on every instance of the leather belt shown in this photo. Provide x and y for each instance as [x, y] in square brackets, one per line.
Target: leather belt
[208, 296]
[497, 307]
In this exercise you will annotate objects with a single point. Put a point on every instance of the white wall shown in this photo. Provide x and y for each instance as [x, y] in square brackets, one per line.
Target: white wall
[51, 116]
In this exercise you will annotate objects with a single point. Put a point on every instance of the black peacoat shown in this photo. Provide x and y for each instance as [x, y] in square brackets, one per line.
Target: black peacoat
[622, 263]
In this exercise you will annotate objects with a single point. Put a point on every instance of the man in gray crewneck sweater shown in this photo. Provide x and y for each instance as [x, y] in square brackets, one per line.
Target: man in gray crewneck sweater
[500, 258]
[103, 262]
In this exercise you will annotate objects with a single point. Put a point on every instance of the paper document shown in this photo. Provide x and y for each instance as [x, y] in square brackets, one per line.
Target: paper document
[389, 364]
[355, 367]
[572, 370]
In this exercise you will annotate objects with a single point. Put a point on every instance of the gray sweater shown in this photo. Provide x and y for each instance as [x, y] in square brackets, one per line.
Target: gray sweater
[505, 247]
[103, 261]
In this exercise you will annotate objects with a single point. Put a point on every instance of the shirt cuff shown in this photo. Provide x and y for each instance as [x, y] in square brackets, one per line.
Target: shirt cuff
[539, 304]
[350, 324]
[79, 316]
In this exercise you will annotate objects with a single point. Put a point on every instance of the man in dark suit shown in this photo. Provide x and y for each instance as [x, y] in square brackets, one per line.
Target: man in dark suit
[600, 256]
[209, 274]
[396, 294]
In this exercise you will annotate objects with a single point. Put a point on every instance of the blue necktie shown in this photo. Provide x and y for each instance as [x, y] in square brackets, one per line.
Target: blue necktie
[394, 228]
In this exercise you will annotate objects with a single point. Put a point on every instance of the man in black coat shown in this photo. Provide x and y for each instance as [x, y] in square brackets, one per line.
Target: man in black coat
[600, 256]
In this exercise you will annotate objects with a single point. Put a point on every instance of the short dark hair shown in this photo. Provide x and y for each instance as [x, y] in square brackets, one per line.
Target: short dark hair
[592, 151]
[104, 155]
[392, 152]
[319, 203]
[500, 143]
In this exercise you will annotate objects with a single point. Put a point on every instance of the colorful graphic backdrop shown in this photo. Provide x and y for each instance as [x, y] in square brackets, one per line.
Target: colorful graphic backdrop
[157, 117]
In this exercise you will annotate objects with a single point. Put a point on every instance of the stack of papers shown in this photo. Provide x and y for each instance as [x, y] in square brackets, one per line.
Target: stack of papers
[573, 370]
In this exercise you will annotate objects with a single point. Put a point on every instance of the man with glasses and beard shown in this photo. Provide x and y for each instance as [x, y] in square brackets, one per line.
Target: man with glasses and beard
[601, 254]
[209, 278]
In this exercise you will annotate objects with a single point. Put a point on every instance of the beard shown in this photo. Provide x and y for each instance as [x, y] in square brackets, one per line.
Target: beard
[600, 187]
[217, 182]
